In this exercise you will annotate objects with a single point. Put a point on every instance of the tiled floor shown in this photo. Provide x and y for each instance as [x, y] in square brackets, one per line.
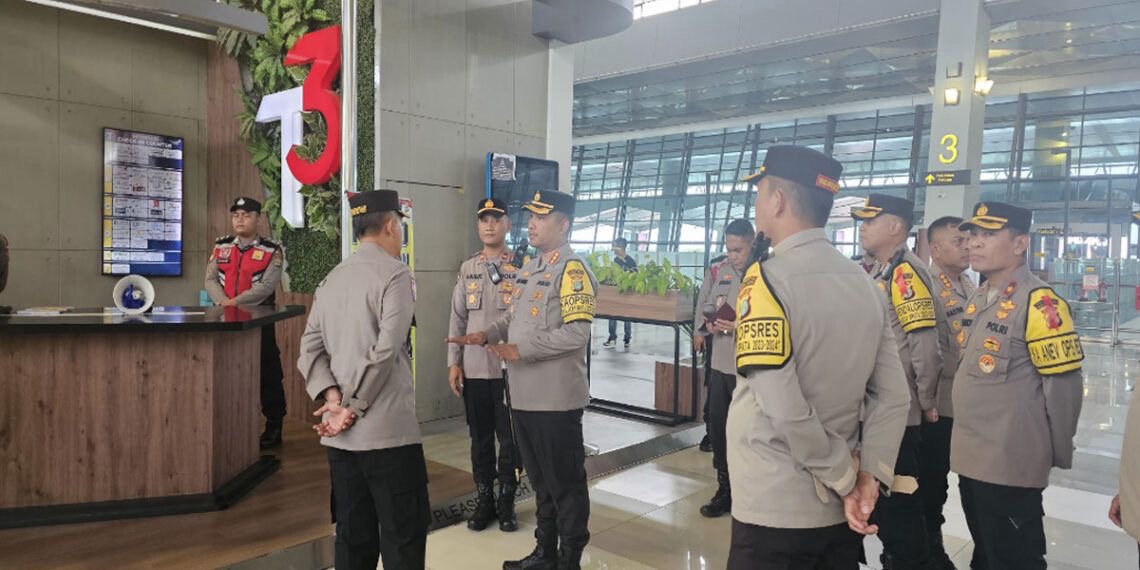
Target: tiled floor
[647, 516]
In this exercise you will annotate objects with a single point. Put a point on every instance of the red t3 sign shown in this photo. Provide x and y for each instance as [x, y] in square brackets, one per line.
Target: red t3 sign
[321, 50]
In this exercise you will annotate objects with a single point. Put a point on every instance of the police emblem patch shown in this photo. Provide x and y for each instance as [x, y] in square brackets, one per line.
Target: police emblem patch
[258, 255]
[971, 309]
[987, 363]
[534, 311]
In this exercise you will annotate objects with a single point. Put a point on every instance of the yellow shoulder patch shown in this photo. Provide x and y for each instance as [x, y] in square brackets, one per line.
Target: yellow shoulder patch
[762, 336]
[576, 294]
[911, 299]
[1054, 346]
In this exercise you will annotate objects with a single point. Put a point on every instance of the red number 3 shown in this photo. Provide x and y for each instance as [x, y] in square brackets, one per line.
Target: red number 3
[321, 49]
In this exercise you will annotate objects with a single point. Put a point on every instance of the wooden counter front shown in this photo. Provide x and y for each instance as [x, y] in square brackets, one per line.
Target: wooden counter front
[131, 417]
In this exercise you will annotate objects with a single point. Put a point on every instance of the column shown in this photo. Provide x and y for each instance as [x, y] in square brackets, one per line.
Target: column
[560, 109]
[956, 127]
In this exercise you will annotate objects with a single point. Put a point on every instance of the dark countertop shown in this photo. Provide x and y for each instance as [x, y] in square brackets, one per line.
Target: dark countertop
[162, 319]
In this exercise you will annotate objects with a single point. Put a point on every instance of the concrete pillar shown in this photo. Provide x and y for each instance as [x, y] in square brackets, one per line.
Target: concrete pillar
[560, 109]
[956, 130]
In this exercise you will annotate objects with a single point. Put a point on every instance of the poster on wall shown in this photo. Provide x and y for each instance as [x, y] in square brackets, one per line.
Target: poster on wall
[142, 203]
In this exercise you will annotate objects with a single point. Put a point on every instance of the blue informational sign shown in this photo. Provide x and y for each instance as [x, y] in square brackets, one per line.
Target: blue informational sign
[142, 203]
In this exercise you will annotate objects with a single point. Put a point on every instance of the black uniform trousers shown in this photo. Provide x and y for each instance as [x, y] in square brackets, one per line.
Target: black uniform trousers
[488, 418]
[721, 386]
[902, 526]
[1006, 523]
[272, 377]
[933, 468]
[380, 507]
[552, 451]
[827, 548]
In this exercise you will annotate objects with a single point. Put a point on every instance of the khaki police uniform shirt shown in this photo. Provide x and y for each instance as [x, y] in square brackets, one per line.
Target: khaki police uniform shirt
[476, 303]
[915, 321]
[1018, 389]
[1130, 469]
[721, 285]
[261, 289]
[357, 338]
[951, 300]
[549, 320]
[816, 356]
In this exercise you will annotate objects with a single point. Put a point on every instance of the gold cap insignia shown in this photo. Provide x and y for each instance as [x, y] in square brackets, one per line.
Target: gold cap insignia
[982, 210]
[488, 204]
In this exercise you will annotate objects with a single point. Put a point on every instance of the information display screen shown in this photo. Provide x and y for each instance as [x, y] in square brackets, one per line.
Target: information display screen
[142, 203]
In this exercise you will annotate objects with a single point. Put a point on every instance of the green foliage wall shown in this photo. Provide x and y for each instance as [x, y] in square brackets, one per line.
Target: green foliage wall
[311, 252]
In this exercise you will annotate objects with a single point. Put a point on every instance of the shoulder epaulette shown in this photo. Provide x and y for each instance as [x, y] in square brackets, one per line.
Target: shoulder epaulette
[718, 259]
[269, 243]
[224, 239]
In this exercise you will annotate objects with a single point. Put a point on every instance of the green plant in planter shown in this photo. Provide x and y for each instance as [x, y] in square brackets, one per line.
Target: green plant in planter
[650, 277]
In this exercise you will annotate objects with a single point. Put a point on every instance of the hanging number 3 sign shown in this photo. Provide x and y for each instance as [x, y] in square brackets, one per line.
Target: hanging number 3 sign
[321, 51]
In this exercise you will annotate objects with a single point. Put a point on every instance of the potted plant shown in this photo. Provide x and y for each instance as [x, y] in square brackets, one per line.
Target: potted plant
[658, 292]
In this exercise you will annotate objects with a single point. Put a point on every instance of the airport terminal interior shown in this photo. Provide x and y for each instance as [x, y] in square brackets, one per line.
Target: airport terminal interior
[131, 131]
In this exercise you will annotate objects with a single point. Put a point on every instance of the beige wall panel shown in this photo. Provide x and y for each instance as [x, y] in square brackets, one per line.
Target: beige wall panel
[95, 60]
[29, 164]
[434, 399]
[439, 59]
[437, 152]
[33, 278]
[490, 64]
[396, 55]
[166, 73]
[81, 172]
[395, 146]
[29, 50]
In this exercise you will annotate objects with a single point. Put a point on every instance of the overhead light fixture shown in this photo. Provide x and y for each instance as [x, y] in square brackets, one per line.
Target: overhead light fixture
[952, 95]
[954, 70]
[983, 85]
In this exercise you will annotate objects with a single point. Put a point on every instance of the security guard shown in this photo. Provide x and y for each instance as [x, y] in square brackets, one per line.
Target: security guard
[244, 269]
[543, 338]
[721, 285]
[483, 292]
[906, 283]
[1017, 393]
[355, 357]
[950, 258]
[800, 463]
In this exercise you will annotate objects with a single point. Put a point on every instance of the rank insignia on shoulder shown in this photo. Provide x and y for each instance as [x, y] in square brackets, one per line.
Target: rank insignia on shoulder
[224, 239]
[1010, 288]
[946, 284]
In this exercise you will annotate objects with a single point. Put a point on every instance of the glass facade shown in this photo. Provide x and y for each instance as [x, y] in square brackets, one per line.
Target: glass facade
[1071, 157]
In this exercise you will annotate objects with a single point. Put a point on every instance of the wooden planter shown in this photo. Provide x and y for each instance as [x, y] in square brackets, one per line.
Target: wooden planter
[672, 307]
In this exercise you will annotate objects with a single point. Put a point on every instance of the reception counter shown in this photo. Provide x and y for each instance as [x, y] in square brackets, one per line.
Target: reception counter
[107, 416]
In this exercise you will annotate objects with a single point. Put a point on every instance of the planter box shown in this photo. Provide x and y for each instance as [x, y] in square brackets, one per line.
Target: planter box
[672, 307]
[663, 389]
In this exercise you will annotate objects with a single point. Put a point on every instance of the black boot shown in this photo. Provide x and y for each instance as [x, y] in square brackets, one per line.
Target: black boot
[889, 562]
[721, 503]
[545, 554]
[508, 521]
[484, 507]
[939, 559]
[569, 558]
[706, 445]
[271, 437]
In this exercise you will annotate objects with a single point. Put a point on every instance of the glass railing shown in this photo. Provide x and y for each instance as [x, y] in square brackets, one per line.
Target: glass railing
[1103, 295]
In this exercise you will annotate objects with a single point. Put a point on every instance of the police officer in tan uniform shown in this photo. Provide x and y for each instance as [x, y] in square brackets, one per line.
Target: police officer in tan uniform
[245, 269]
[905, 282]
[715, 302]
[355, 358]
[805, 476]
[483, 292]
[1017, 393]
[543, 338]
[1124, 511]
[950, 258]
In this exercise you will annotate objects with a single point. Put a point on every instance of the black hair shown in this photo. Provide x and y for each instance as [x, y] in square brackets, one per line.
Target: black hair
[621, 242]
[811, 204]
[739, 227]
[370, 223]
[945, 222]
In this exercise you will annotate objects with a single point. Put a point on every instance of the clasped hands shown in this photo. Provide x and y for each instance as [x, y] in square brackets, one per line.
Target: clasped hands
[860, 502]
[335, 418]
[506, 352]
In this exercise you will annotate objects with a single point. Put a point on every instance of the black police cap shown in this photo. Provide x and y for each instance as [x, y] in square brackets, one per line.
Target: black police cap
[879, 204]
[493, 206]
[800, 164]
[998, 216]
[375, 201]
[247, 204]
[547, 201]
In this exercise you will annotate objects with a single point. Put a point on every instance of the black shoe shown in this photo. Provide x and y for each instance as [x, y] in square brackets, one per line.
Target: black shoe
[569, 558]
[271, 437]
[706, 444]
[721, 503]
[544, 557]
[508, 520]
[484, 507]
[627, 345]
[609, 343]
[939, 559]
[889, 562]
